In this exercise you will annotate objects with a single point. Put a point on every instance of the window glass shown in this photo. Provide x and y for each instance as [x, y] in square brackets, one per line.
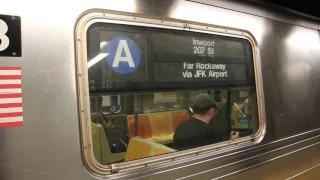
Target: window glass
[105, 103]
[155, 91]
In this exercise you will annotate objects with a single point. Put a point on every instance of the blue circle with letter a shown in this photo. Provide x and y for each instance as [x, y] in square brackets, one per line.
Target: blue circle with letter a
[123, 55]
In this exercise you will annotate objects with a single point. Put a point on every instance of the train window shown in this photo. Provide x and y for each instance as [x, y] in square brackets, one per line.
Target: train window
[105, 104]
[157, 91]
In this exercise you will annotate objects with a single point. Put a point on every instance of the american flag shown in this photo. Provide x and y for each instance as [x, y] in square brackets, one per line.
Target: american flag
[10, 97]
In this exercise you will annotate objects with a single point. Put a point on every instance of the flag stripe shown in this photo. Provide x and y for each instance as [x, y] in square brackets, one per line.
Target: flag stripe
[11, 124]
[7, 86]
[10, 100]
[14, 114]
[7, 77]
[10, 72]
[7, 91]
[10, 68]
[14, 81]
[11, 119]
[10, 105]
[11, 110]
[11, 95]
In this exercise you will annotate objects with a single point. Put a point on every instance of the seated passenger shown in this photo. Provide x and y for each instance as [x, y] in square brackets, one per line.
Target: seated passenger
[196, 131]
[245, 113]
[97, 115]
[117, 138]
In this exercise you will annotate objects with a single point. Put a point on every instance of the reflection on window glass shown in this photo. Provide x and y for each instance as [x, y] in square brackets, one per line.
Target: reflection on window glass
[156, 91]
[150, 124]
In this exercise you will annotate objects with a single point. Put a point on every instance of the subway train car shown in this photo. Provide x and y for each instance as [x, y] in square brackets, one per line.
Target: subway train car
[97, 90]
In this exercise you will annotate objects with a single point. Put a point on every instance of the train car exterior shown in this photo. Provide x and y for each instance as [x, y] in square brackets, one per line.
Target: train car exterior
[50, 55]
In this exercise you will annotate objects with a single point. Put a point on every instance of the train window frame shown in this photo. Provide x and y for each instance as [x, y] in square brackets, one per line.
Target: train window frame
[104, 16]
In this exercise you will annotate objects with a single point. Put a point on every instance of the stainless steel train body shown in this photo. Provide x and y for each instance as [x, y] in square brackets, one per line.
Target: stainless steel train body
[55, 143]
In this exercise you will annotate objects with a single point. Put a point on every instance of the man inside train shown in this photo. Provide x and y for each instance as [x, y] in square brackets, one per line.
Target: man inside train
[97, 115]
[196, 131]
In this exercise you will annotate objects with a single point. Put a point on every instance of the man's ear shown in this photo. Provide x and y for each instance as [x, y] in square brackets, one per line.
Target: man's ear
[212, 111]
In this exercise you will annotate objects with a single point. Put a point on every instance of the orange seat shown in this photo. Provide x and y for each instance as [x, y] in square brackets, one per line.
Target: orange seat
[143, 125]
[178, 117]
[157, 127]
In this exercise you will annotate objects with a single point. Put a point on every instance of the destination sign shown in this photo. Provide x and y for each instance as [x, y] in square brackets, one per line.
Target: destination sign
[188, 71]
[197, 45]
[144, 58]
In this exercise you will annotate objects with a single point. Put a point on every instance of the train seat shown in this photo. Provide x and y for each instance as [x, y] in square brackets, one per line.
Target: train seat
[178, 117]
[140, 148]
[101, 146]
[161, 125]
[144, 127]
[96, 141]
[157, 127]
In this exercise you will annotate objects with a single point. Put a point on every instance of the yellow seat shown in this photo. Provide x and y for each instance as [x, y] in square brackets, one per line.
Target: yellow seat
[162, 127]
[96, 141]
[101, 148]
[140, 148]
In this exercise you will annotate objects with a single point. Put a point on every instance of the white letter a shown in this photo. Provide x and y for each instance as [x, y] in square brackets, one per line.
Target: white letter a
[128, 58]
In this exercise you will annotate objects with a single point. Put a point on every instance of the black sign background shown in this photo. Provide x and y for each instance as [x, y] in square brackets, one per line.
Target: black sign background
[172, 71]
[14, 35]
[183, 45]
[163, 53]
